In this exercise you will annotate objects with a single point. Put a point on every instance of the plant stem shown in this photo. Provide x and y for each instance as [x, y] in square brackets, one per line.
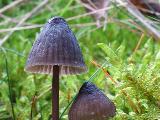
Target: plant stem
[55, 93]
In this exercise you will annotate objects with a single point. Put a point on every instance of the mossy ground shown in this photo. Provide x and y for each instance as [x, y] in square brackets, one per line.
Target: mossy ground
[136, 73]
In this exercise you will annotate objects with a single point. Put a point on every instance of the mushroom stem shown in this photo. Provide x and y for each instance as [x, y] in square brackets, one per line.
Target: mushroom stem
[55, 93]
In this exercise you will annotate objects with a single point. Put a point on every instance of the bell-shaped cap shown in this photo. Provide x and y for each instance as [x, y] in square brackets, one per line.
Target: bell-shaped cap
[91, 104]
[56, 45]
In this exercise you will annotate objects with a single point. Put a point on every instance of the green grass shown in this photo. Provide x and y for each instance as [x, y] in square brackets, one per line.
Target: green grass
[137, 73]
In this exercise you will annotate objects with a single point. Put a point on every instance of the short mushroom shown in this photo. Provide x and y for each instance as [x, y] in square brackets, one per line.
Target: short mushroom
[91, 104]
[56, 52]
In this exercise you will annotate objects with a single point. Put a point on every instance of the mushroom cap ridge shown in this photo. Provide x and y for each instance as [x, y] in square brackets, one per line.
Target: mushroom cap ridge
[56, 45]
[91, 104]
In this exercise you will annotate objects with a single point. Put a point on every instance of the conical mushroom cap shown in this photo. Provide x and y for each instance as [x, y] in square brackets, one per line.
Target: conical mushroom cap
[56, 45]
[91, 104]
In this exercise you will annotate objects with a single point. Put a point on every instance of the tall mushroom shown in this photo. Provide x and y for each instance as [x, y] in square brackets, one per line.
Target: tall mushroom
[91, 104]
[56, 52]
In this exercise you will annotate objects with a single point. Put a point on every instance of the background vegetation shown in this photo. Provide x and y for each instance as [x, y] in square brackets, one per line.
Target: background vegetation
[130, 56]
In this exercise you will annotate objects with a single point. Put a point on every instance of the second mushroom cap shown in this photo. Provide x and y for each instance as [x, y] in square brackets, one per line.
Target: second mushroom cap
[91, 104]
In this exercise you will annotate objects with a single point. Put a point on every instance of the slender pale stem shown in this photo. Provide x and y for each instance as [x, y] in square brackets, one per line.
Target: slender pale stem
[55, 93]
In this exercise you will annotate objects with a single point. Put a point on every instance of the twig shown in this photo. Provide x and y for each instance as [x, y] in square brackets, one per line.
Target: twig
[10, 5]
[27, 16]
[134, 11]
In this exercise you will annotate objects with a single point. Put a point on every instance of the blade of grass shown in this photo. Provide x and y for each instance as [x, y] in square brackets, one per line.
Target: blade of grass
[66, 7]
[20, 28]
[9, 84]
[13, 51]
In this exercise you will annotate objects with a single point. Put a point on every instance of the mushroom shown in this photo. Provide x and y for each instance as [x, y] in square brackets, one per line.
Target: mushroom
[91, 104]
[56, 52]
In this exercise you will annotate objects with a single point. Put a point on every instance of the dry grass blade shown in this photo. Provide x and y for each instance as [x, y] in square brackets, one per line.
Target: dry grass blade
[41, 25]
[139, 43]
[20, 28]
[134, 107]
[27, 16]
[91, 5]
[10, 5]
[121, 23]
[85, 5]
[93, 12]
[145, 21]
[9, 19]
[104, 70]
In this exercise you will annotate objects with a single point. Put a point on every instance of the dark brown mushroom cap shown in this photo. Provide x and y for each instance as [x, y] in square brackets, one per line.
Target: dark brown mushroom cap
[56, 45]
[91, 104]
